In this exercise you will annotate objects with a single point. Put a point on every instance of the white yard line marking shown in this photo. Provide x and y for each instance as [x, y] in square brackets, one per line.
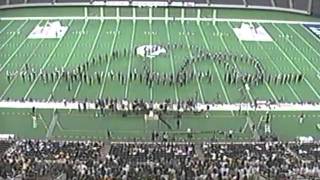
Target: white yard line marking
[276, 67]
[6, 26]
[215, 67]
[68, 59]
[134, 18]
[108, 64]
[172, 66]
[227, 49]
[296, 68]
[15, 52]
[13, 34]
[151, 65]
[248, 53]
[45, 64]
[21, 68]
[130, 59]
[194, 67]
[90, 54]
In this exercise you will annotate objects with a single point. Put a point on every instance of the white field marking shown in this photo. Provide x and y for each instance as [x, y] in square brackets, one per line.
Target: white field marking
[296, 68]
[68, 59]
[15, 52]
[248, 53]
[6, 26]
[276, 67]
[13, 34]
[171, 60]
[160, 18]
[43, 122]
[227, 49]
[108, 64]
[313, 35]
[45, 64]
[306, 42]
[151, 66]
[21, 68]
[194, 67]
[130, 58]
[215, 67]
[304, 57]
[90, 54]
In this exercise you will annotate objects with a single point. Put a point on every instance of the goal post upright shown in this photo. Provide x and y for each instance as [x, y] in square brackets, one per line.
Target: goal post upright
[166, 15]
[150, 15]
[118, 13]
[214, 16]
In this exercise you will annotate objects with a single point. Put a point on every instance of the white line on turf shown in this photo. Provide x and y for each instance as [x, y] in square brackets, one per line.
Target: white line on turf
[6, 26]
[215, 66]
[45, 64]
[130, 59]
[194, 67]
[14, 53]
[68, 59]
[151, 60]
[108, 64]
[13, 34]
[90, 54]
[295, 67]
[227, 49]
[276, 67]
[134, 18]
[171, 60]
[21, 68]
[248, 53]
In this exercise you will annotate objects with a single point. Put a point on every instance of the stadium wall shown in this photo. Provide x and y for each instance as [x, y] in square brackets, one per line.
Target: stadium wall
[301, 8]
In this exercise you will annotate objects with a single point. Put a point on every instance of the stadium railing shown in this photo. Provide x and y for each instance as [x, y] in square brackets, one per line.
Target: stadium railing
[309, 7]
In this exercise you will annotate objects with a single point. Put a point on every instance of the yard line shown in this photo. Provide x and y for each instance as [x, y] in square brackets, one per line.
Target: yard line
[171, 60]
[215, 66]
[248, 53]
[276, 67]
[151, 66]
[45, 64]
[108, 64]
[5, 27]
[310, 46]
[68, 59]
[227, 49]
[13, 34]
[130, 59]
[295, 67]
[90, 54]
[15, 77]
[15, 52]
[194, 67]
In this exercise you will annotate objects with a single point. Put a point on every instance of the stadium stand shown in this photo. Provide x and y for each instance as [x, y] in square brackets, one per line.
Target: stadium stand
[266, 3]
[228, 2]
[316, 8]
[39, 1]
[16, 1]
[282, 3]
[42, 159]
[3, 2]
[72, 1]
[300, 4]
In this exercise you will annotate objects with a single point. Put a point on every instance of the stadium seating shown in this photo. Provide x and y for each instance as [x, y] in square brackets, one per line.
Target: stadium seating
[316, 8]
[300, 4]
[228, 2]
[72, 1]
[282, 3]
[39, 1]
[266, 3]
[3, 2]
[16, 1]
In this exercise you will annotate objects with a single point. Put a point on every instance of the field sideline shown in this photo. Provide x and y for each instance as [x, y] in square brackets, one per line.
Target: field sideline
[294, 50]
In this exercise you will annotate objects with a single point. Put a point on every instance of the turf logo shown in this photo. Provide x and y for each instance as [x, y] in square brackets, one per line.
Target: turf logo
[315, 29]
[150, 51]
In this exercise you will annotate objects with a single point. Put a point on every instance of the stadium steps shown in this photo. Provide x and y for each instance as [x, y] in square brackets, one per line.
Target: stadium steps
[105, 149]
[199, 152]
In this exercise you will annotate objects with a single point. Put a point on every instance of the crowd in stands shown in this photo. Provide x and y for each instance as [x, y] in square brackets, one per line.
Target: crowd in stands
[36, 159]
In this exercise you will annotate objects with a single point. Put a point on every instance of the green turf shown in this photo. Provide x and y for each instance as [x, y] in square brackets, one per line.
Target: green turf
[294, 49]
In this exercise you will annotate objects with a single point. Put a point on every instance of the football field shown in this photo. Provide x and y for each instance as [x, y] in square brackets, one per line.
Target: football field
[293, 50]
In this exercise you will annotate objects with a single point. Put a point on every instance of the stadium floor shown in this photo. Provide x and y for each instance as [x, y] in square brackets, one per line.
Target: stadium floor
[294, 49]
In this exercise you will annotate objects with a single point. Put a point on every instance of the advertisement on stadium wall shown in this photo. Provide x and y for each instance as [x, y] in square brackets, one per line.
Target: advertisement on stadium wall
[314, 28]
